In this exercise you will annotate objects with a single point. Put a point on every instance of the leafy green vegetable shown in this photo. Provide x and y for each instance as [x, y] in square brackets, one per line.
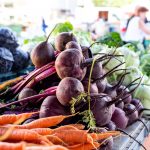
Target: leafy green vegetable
[145, 64]
[63, 27]
[131, 58]
[111, 39]
[83, 37]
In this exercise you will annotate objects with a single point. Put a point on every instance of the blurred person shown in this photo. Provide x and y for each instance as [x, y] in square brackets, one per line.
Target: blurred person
[99, 28]
[136, 26]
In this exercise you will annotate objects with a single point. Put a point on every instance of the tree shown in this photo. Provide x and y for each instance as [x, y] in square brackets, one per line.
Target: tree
[113, 3]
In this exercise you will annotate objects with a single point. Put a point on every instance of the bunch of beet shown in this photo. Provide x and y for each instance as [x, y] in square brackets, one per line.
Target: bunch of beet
[69, 79]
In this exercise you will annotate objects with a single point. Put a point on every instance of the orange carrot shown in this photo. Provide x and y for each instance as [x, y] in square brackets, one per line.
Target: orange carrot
[11, 118]
[12, 146]
[48, 131]
[22, 135]
[86, 146]
[66, 127]
[78, 126]
[44, 122]
[43, 131]
[55, 140]
[54, 147]
[10, 82]
[105, 135]
[74, 136]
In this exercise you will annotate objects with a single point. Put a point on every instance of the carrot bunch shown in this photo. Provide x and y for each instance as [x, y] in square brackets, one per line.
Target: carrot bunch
[37, 135]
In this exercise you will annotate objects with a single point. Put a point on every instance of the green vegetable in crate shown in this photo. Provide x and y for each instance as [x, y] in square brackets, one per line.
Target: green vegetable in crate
[8, 39]
[115, 62]
[6, 60]
[142, 92]
[134, 73]
[21, 60]
[131, 58]
[145, 64]
[111, 39]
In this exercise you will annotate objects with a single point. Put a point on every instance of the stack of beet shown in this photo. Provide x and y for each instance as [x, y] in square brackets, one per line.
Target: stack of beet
[69, 79]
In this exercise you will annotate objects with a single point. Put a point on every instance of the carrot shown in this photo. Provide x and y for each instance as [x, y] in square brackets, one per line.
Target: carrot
[86, 146]
[74, 136]
[78, 126]
[66, 127]
[12, 146]
[55, 147]
[43, 131]
[55, 140]
[10, 82]
[44, 122]
[105, 135]
[22, 135]
[11, 118]
[48, 131]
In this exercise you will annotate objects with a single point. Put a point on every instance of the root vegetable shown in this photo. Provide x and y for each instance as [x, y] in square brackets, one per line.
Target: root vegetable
[67, 89]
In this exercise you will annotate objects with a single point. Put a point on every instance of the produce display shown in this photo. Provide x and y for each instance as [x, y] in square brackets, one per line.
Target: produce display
[12, 58]
[74, 99]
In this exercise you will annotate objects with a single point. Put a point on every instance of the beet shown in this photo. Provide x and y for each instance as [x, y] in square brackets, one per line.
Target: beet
[110, 126]
[93, 86]
[87, 53]
[119, 118]
[68, 64]
[73, 44]
[101, 111]
[131, 113]
[67, 89]
[52, 107]
[26, 92]
[137, 103]
[120, 105]
[111, 91]
[62, 39]
[42, 54]
[125, 95]
[97, 71]
[101, 85]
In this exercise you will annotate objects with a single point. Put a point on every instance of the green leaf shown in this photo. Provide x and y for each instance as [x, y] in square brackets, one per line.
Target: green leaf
[63, 27]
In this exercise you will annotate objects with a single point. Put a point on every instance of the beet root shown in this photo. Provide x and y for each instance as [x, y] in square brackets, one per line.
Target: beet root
[68, 64]
[62, 39]
[119, 118]
[67, 89]
[52, 107]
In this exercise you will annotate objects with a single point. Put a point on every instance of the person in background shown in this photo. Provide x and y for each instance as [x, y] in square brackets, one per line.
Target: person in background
[136, 28]
[99, 28]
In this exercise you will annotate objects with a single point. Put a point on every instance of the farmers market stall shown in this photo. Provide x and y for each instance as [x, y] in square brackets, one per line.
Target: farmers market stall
[82, 95]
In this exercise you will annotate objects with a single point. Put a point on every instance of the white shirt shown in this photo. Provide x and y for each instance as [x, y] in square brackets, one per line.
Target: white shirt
[134, 33]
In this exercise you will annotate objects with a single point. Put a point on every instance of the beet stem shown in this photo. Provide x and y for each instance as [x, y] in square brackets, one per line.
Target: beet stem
[42, 76]
[34, 97]
[110, 72]
[51, 33]
[31, 76]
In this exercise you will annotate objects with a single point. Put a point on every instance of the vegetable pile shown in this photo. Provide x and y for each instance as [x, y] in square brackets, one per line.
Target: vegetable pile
[70, 89]
[12, 58]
